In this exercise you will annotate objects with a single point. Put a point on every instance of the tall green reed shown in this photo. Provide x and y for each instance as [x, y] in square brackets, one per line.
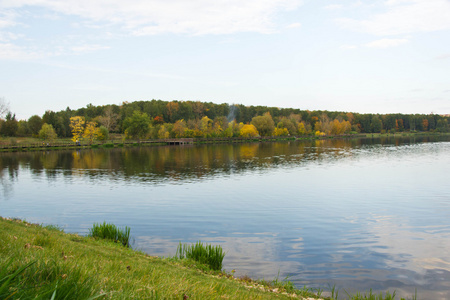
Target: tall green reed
[203, 253]
[111, 232]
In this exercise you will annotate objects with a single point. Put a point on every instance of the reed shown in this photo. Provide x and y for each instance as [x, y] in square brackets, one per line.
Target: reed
[203, 253]
[111, 232]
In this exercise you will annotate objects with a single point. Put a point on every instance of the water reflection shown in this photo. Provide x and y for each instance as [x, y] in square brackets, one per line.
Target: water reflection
[356, 213]
[189, 162]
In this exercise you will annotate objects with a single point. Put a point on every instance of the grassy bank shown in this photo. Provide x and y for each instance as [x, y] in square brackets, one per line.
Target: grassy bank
[42, 262]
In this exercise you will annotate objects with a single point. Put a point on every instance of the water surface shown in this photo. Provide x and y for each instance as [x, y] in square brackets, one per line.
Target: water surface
[360, 214]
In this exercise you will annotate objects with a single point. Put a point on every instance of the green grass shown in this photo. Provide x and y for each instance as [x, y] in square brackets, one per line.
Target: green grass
[43, 262]
[205, 254]
[38, 262]
[111, 232]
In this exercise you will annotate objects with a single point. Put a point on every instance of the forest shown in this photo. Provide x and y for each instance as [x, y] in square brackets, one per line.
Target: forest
[194, 119]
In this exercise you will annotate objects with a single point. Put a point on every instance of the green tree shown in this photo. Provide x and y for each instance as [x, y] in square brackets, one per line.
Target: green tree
[288, 124]
[264, 124]
[47, 132]
[22, 128]
[35, 125]
[442, 125]
[102, 133]
[376, 125]
[137, 126]
[10, 126]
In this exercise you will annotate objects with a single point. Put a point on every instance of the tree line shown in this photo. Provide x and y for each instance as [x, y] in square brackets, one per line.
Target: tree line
[177, 119]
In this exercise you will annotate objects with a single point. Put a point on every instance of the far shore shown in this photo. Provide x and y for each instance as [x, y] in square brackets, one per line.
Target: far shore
[20, 144]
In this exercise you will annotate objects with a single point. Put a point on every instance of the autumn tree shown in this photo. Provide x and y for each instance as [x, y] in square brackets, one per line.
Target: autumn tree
[425, 124]
[288, 125]
[198, 109]
[248, 130]
[172, 109]
[302, 129]
[163, 132]
[47, 132]
[158, 120]
[206, 126]
[336, 127]
[235, 128]
[77, 127]
[137, 126]
[280, 132]
[90, 131]
[179, 128]
[109, 119]
[399, 125]
[264, 124]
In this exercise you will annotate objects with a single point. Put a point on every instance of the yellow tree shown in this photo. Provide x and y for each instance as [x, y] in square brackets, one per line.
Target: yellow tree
[90, 131]
[77, 127]
[301, 128]
[179, 128]
[249, 130]
[206, 126]
[163, 132]
[336, 127]
[280, 132]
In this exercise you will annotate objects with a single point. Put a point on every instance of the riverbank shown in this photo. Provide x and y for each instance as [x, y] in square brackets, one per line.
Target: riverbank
[47, 261]
[32, 144]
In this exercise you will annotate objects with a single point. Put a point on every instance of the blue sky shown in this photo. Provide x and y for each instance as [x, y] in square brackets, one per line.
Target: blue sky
[362, 56]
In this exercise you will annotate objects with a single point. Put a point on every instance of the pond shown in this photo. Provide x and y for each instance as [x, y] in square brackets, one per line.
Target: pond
[358, 213]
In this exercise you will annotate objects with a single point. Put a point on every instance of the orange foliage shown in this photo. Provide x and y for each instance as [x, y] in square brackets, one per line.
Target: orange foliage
[425, 124]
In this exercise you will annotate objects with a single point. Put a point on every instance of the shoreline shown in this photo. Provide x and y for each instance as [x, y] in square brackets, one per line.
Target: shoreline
[120, 272]
[64, 145]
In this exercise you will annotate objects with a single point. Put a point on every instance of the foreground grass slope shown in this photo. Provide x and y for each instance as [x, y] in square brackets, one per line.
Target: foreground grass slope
[43, 263]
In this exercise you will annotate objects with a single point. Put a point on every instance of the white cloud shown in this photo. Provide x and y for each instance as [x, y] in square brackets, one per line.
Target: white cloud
[88, 48]
[386, 43]
[404, 17]
[8, 36]
[294, 25]
[10, 51]
[333, 6]
[194, 17]
[7, 18]
[444, 56]
[348, 47]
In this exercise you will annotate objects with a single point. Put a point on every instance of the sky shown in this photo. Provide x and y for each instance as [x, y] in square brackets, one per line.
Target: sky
[373, 56]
